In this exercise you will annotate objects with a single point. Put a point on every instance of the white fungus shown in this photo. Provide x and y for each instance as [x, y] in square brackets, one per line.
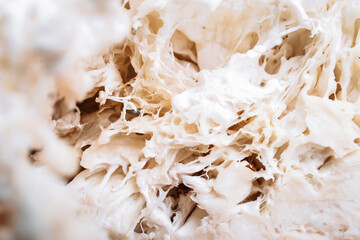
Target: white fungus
[179, 119]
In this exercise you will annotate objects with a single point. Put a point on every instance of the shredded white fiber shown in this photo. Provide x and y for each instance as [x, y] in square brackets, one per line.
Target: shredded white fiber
[179, 119]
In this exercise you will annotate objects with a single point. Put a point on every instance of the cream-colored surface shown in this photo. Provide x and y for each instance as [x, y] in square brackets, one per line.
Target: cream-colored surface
[192, 119]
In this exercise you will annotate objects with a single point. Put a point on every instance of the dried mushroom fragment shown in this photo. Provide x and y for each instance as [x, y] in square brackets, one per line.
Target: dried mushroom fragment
[179, 119]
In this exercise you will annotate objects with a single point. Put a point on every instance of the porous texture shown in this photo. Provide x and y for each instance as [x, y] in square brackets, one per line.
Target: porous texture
[180, 119]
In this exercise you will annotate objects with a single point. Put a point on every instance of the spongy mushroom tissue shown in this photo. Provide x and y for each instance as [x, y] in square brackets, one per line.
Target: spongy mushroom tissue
[179, 119]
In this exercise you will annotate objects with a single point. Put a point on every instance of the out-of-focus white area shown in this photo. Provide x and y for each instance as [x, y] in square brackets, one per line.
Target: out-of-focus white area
[179, 119]
[43, 49]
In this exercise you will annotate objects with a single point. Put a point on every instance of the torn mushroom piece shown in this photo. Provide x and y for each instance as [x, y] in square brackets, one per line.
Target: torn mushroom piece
[180, 119]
